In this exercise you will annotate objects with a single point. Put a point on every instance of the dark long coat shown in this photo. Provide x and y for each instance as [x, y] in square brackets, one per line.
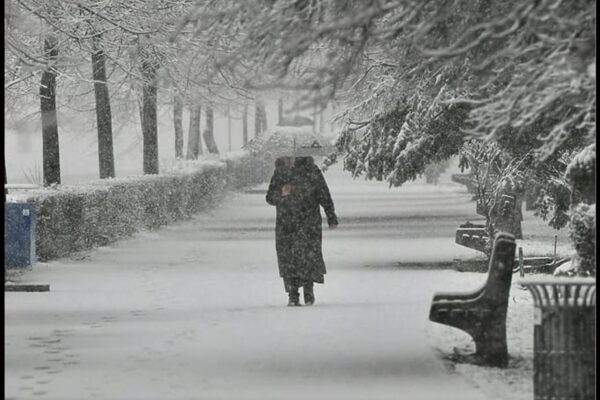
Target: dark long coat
[298, 234]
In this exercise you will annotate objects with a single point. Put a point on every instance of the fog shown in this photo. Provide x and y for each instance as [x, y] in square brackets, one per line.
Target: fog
[79, 144]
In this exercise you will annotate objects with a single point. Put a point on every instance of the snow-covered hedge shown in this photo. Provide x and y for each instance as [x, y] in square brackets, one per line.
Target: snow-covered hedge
[581, 175]
[583, 234]
[79, 217]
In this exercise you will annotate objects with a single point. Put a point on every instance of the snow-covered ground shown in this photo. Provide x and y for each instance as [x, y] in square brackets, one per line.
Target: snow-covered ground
[196, 310]
[512, 383]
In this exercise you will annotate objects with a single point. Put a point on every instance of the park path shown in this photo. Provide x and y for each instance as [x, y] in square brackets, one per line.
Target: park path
[196, 310]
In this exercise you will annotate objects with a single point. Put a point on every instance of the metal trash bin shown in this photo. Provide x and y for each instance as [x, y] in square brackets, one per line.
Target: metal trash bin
[564, 339]
[19, 235]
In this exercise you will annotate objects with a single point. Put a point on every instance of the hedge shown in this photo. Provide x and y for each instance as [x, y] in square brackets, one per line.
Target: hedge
[79, 217]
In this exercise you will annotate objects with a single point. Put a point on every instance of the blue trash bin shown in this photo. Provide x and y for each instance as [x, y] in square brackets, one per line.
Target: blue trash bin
[19, 235]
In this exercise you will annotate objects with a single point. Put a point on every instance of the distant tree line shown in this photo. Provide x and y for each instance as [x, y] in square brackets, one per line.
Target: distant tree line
[118, 55]
[414, 82]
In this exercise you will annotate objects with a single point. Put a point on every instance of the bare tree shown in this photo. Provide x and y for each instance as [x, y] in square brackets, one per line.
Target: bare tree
[257, 119]
[260, 117]
[280, 111]
[149, 68]
[51, 153]
[315, 114]
[498, 179]
[209, 138]
[178, 125]
[103, 113]
[194, 148]
[228, 128]
[263, 117]
[321, 121]
[245, 125]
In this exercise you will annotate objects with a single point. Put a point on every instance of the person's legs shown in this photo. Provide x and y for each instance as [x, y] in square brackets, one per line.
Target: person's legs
[309, 294]
[292, 289]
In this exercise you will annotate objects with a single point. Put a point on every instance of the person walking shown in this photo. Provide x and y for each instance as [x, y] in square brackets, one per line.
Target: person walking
[298, 189]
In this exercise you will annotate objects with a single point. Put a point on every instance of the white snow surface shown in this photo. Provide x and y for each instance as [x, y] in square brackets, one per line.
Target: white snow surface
[197, 310]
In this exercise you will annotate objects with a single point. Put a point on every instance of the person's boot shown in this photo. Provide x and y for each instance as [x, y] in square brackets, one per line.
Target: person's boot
[309, 295]
[294, 298]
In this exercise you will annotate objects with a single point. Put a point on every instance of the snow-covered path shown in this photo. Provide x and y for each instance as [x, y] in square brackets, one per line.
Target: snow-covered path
[197, 310]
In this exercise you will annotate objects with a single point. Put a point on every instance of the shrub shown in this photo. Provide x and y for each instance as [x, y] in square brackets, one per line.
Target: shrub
[80, 217]
[583, 235]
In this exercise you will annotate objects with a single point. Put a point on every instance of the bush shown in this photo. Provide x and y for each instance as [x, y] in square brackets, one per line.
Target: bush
[75, 218]
[581, 175]
[583, 235]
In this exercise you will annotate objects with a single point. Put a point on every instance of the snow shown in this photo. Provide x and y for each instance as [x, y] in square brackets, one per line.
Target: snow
[591, 70]
[234, 155]
[512, 383]
[197, 310]
[178, 167]
[583, 164]
[567, 269]
[516, 381]
[196, 166]
[79, 147]
[28, 195]
[539, 247]
[291, 130]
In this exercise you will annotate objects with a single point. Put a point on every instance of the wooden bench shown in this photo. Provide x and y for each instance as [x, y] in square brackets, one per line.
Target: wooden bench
[482, 312]
[473, 236]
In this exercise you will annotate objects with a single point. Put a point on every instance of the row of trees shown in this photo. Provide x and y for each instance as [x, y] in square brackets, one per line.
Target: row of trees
[511, 70]
[413, 79]
[494, 70]
[417, 79]
[116, 59]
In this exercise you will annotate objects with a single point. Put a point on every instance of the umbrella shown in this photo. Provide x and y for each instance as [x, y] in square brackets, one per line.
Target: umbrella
[293, 142]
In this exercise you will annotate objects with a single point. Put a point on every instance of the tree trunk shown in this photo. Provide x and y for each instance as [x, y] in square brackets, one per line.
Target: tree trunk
[194, 148]
[257, 119]
[209, 138]
[245, 125]
[228, 129]
[178, 125]
[280, 112]
[103, 114]
[263, 117]
[140, 107]
[332, 123]
[314, 126]
[149, 120]
[50, 145]
[321, 122]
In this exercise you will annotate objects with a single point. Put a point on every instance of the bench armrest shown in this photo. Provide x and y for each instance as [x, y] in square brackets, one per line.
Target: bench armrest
[445, 296]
